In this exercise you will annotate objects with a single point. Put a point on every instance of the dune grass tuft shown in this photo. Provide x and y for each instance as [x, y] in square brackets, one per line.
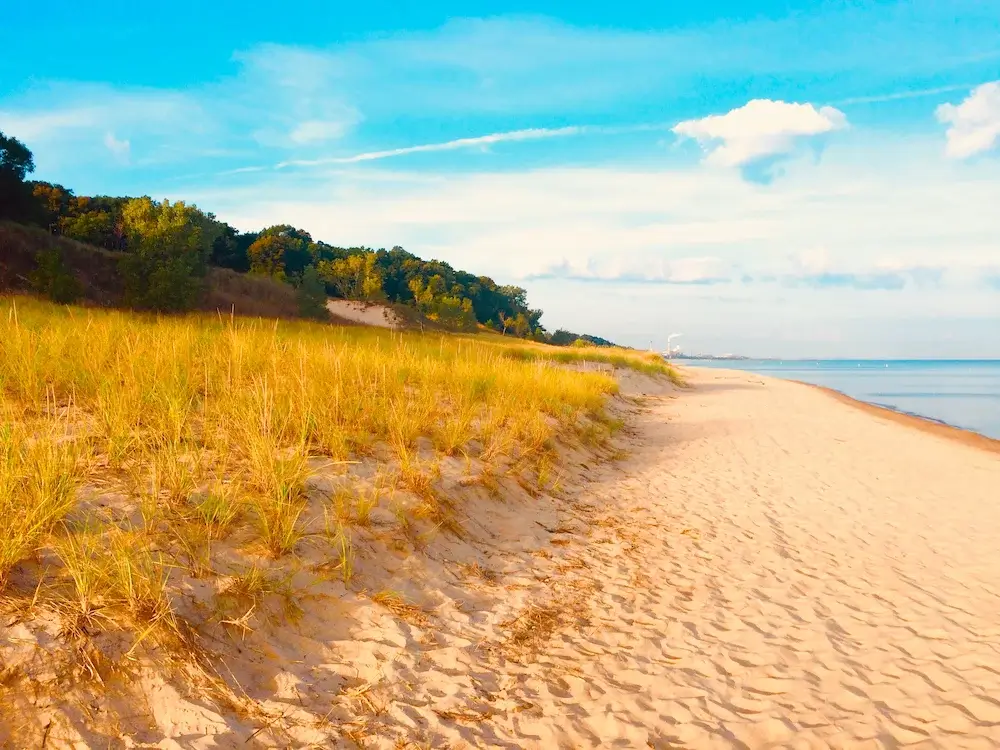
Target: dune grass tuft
[39, 475]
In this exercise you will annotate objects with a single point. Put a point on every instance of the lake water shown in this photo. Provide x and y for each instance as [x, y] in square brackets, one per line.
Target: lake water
[964, 393]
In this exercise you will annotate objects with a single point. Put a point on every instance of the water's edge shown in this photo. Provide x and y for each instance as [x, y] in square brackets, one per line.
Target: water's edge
[917, 421]
[959, 394]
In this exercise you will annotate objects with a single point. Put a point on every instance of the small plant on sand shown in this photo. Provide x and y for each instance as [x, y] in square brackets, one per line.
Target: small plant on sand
[278, 501]
[340, 538]
[243, 596]
[252, 585]
[116, 580]
[368, 497]
[38, 481]
[219, 508]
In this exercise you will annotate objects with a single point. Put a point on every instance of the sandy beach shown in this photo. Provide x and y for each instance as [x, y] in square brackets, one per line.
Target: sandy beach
[771, 567]
[763, 565]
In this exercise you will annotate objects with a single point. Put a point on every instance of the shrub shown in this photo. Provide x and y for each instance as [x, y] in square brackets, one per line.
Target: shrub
[311, 295]
[53, 278]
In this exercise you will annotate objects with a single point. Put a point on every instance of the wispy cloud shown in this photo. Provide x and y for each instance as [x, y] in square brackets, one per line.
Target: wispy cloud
[865, 281]
[503, 75]
[481, 141]
[120, 149]
[899, 95]
[818, 269]
[974, 124]
[477, 142]
[683, 271]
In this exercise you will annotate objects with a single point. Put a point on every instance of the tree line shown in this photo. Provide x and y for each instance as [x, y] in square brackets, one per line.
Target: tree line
[168, 247]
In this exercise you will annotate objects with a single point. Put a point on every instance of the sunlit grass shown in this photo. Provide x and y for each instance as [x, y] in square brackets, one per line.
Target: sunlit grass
[39, 475]
[208, 425]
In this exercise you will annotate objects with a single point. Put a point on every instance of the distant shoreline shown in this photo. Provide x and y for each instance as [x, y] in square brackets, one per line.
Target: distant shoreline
[963, 360]
[917, 421]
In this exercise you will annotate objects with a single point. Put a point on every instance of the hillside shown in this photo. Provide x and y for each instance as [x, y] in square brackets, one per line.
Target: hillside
[145, 254]
[94, 277]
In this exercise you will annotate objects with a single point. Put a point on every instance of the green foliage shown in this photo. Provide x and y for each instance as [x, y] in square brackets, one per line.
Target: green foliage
[311, 295]
[16, 159]
[434, 302]
[229, 249]
[281, 252]
[562, 337]
[53, 278]
[53, 201]
[170, 245]
[354, 277]
[168, 255]
[16, 163]
[92, 227]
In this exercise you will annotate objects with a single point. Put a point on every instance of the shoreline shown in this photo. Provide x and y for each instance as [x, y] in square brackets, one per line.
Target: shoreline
[916, 421]
[920, 422]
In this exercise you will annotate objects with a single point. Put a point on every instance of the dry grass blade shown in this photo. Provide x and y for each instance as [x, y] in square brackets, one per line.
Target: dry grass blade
[404, 610]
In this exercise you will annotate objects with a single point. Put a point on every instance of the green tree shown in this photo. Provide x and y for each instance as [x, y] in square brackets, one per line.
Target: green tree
[281, 252]
[53, 278]
[454, 312]
[16, 159]
[311, 294]
[355, 277]
[93, 227]
[16, 199]
[229, 250]
[168, 254]
[53, 202]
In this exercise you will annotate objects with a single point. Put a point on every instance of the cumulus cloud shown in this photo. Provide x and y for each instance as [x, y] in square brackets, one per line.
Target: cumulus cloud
[974, 124]
[759, 129]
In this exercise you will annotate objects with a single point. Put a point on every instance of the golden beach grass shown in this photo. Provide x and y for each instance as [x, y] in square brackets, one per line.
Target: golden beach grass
[207, 423]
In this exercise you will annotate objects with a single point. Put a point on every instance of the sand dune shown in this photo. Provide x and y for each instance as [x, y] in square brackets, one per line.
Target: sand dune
[768, 567]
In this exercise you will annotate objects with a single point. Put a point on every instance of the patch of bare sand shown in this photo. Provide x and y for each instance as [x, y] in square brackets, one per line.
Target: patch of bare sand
[365, 313]
[767, 568]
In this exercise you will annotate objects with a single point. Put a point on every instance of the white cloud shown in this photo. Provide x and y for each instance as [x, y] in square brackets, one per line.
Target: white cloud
[120, 149]
[973, 125]
[481, 141]
[758, 129]
[814, 260]
[96, 108]
[647, 269]
[858, 236]
[317, 131]
[858, 207]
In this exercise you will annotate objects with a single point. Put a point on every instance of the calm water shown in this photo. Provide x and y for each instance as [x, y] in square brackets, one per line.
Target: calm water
[963, 393]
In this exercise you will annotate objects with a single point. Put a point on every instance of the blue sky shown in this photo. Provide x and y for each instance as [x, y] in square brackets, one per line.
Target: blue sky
[811, 179]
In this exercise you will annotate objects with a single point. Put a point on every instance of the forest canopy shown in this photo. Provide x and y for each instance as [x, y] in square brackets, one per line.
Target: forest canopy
[168, 247]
